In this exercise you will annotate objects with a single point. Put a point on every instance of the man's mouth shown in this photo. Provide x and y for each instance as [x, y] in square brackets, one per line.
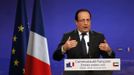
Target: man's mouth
[85, 27]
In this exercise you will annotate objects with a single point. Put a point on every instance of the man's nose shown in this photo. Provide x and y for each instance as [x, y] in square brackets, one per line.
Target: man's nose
[85, 22]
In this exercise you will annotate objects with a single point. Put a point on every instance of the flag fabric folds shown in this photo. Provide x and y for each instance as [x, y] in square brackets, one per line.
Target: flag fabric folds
[37, 59]
[19, 41]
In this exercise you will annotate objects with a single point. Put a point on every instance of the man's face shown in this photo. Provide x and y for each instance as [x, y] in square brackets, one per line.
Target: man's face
[84, 22]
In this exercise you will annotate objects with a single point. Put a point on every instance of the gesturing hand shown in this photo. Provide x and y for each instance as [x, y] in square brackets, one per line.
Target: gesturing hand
[104, 46]
[69, 44]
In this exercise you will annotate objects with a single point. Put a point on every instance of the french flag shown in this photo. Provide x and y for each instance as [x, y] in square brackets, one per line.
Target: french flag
[37, 59]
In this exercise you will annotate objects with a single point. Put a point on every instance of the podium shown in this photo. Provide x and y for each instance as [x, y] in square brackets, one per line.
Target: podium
[92, 64]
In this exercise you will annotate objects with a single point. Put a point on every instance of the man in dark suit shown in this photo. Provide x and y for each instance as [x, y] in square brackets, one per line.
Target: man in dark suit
[83, 43]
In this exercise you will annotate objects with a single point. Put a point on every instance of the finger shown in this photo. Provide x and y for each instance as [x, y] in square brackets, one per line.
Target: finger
[73, 42]
[74, 45]
[105, 41]
[101, 44]
[69, 38]
[101, 47]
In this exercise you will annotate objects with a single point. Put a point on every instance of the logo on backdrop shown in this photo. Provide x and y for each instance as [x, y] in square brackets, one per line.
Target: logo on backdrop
[70, 64]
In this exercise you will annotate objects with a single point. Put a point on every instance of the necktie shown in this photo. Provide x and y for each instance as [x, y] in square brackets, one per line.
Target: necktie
[83, 43]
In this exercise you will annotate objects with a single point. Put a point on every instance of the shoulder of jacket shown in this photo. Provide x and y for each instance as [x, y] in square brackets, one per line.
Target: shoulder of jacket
[71, 32]
[97, 33]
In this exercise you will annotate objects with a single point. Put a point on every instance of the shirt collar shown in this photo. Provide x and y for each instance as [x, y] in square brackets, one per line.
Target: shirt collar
[81, 32]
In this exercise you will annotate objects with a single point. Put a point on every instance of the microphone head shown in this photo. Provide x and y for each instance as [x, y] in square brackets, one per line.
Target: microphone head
[88, 43]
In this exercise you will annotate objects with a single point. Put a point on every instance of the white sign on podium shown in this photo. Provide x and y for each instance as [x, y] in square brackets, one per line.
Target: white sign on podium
[91, 64]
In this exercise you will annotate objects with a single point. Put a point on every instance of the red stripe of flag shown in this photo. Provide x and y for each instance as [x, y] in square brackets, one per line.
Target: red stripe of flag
[36, 67]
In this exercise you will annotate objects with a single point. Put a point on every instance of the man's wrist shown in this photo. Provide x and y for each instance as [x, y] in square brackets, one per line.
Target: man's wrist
[63, 50]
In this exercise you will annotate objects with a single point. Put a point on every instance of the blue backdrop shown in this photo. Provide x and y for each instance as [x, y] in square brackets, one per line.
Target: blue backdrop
[114, 18]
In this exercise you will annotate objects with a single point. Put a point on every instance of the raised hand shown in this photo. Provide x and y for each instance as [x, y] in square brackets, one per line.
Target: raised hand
[104, 46]
[69, 44]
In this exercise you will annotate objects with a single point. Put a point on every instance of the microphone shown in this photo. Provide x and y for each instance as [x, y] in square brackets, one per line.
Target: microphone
[88, 43]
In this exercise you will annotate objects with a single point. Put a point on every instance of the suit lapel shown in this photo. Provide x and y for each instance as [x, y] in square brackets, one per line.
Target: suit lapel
[75, 36]
[78, 50]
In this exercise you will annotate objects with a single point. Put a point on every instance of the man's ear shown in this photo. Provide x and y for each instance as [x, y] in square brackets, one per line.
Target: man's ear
[76, 22]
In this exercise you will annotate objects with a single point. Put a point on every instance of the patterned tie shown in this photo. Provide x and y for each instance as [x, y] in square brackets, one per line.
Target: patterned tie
[83, 43]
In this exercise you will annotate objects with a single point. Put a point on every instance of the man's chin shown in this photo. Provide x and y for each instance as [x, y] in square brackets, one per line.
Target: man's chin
[85, 30]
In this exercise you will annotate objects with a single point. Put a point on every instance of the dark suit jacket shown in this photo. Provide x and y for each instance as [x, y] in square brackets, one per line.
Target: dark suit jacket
[77, 53]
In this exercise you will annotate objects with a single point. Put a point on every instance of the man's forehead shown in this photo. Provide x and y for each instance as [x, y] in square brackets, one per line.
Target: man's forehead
[83, 15]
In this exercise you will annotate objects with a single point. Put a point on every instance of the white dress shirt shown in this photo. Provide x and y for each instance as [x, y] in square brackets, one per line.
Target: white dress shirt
[86, 38]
